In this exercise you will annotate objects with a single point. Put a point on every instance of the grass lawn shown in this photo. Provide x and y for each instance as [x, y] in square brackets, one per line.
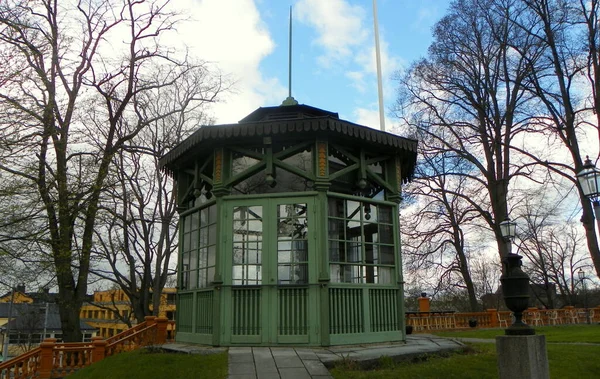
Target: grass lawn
[566, 361]
[142, 364]
[479, 361]
[561, 333]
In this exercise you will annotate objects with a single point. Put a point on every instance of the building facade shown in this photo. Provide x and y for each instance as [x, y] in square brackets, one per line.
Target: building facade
[110, 311]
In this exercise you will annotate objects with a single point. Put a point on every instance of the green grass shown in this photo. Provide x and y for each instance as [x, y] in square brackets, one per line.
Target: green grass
[566, 360]
[562, 333]
[142, 364]
[479, 362]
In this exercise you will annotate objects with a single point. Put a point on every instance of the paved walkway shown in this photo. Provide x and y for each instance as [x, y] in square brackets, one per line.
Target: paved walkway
[307, 363]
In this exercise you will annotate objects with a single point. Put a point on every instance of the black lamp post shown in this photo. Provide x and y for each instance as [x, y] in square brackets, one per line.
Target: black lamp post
[589, 181]
[582, 278]
[515, 283]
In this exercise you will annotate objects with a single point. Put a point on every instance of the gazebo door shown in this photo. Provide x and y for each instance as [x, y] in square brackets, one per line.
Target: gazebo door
[270, 251]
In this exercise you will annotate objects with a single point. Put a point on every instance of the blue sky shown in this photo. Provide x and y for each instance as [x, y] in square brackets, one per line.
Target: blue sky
[333, 51]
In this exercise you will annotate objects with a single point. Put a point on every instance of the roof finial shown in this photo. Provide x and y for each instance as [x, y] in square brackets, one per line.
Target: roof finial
[290, 100]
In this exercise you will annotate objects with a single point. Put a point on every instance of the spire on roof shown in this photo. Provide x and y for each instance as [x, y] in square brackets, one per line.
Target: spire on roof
[290, 99]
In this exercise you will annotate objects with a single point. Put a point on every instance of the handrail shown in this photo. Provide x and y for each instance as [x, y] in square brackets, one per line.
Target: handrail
[56, 360]
[22, 366]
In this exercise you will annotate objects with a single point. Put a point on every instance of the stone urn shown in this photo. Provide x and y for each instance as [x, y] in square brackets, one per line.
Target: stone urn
[515, 288]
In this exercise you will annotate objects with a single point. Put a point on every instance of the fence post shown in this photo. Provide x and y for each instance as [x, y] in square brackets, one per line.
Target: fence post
[493, 317]
[161, 330]
[99, 349]
[150, 320]
[46, 358]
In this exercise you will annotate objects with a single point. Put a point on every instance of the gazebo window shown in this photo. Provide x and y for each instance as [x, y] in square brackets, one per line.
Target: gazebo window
[361, 242]
[247, 245]
[292, 244]
[198, 252]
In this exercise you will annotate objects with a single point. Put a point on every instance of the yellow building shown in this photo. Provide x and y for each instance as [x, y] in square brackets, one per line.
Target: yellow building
[107, 311]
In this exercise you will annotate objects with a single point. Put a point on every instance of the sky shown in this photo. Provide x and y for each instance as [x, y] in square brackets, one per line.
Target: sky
[333, 54]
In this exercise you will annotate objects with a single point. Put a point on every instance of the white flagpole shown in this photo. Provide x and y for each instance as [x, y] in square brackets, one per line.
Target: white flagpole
[378, 60]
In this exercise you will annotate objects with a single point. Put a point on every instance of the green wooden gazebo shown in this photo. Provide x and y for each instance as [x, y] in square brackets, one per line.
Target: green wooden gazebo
[289, 230]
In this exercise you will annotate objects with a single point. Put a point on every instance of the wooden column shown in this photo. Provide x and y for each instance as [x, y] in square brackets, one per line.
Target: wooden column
[46, 358]
[99, 349]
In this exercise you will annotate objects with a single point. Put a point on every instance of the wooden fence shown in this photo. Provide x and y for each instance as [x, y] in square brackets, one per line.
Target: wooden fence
[491, 318]
[56, 360]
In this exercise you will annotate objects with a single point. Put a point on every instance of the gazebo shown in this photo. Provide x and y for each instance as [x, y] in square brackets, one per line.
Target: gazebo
[289, 230]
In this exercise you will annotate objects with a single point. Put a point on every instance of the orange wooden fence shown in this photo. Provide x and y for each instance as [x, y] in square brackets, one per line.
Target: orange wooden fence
[56, 360]
[491, 318]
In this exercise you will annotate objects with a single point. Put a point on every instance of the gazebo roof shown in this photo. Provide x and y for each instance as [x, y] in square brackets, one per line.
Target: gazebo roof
[292, 121]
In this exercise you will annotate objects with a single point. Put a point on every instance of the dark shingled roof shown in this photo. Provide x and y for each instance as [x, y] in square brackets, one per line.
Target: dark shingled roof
[27, 316]
[294, 120]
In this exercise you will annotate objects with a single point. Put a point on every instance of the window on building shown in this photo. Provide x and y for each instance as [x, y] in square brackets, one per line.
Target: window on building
[361, 242]
[198, 253]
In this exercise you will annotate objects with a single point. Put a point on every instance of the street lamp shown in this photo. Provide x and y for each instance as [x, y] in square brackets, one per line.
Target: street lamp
[515, 283]
[589, 181]
[582, 278]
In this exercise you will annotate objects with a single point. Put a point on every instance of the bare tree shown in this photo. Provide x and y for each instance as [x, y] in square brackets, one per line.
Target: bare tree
[567, 83]
[436, 237]
[468, 100]
[555, 250]
[79, 77]
[138, 225]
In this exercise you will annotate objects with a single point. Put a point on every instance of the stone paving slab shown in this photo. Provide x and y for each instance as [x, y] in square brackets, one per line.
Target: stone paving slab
[294, 373]
[288, 362]
[312, 363]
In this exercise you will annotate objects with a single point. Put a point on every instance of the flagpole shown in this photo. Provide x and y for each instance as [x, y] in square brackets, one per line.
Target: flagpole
[378, 61]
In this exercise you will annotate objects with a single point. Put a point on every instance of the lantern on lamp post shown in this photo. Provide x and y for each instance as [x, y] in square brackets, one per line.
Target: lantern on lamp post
[589, 181]
[515, 283]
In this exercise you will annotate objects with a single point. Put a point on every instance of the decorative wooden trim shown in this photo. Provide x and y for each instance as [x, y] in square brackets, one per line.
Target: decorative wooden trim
[322, 158]
[218, 165]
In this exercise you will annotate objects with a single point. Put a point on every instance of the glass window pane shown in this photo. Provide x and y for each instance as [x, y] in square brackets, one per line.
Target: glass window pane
[193, 279]
[202, 279]
[335, 273]
[387, 255]
[203, 236]
[238, 253]
[202, 257]
[300, 251]
[186, 242]
[212, 234]
[385, 214]
[212, 254]
[284, 257]
[212, 214]
[354, 252]
[187, 223]
[353, 210]
[386, 234]
[336, 229]
[334, 250]
[193, 260]
[195, 220]
[335, 207]
[385, 275]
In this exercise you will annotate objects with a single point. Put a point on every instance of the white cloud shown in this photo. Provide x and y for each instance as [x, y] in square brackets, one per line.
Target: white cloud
[232, 35]
[345, 32]
[339, 26]
[370, 118]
